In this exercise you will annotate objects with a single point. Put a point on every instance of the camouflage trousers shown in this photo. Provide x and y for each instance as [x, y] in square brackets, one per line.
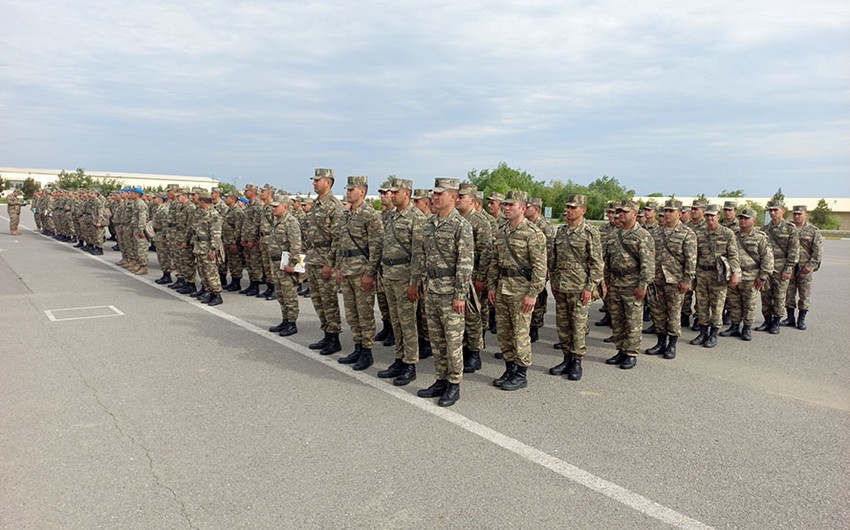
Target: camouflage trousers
[383, 303]
[445, 328]
[98, 237]
[626, 318]
[773, 294]
[485, 310]
[799, 289]
[422, 319]
[266, 259]
[741, 301]
[253, 261]
[284, 288]
[359, 310]
[571, 321]
[688, 300]
[142, 245]
[234, 261]
[711, 295]
[14, 221]
[666, 309]
[539, 310]
[512, 327]
[48, 223]
[39, 221]
[323, 294]
[473, 338]
[403, 318]
[163, 255]
[208, 271]
[186, 263]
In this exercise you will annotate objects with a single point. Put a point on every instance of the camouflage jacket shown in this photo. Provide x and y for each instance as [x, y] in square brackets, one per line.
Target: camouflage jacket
[548, 230]
[361, 238]
[323, 230]
[675, 254]
[714, 244]
[482, 233]
[285, 235]
[755, 255]
[160, 219]
[401, 257]
[207, 237]
[13, 204]
[518, 267]
[697, 227]
[733, 226]
[630, 258]
[173, 219]
[448, 253]
[811, 246]
[575, 259]
[652, 227]
[266, 220]
[231, 226]
[138, 216]
[251, 222]
[221, 207]
[184, 230]
[785, 242]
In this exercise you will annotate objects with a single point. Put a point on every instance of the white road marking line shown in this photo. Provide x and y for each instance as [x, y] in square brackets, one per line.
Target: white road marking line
[51, 313]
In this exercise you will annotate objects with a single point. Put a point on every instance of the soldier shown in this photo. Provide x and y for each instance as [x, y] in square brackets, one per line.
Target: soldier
[800, 284]
[485, 298]
[220, 205]
[718, 267]
[422, 202]
[575, 268]
[697, 224]
[402, 263]
[306, 206]
[100, 220]
[675, 269]
[266, 220]
[386, 336]
[650, 223]
[630, 258]
[482, 236]
[324, 224]
[534, 213]
[13, 208]
[206, 244]
[160, 220]
[497, 219]
[448, 250]
[360, 242]
[517, 275]
[756, 259]
[604, 231]
[285, 237]
[174, 244]
[250, 241]
[785, 243]
[183, 242]
[730, 215]
[231, 232]
[136, 228]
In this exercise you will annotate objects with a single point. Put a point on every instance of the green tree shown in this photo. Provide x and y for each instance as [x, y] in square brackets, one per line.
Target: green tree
[656, 194]
[822, 217]
[778, 196]
[2, 184]
[758, 208]
[227, 187]
[79, 180]
[733, 193]
[29, 187]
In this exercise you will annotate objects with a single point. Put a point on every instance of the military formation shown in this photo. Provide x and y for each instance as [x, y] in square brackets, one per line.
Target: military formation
[444, 270]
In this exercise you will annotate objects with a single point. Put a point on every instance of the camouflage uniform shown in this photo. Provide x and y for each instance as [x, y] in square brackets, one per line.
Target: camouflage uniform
[136, 227]
[174, 243]
[604, 231]
[13, 208]
[207, 239]
[756, 258]
[183, 238]
[800, 285]
[251, 236]
[285, 236]
[231, 232]
[784, 240]
[265, 228]
[713, 245]
[383, 303]
[688, 299]
[675, 263]
[160, 220]
[482, 235]
[543, 224]
[222, 209]
[323, 225]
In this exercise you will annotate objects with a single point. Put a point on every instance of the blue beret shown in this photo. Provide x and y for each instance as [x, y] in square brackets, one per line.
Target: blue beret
[243, 199]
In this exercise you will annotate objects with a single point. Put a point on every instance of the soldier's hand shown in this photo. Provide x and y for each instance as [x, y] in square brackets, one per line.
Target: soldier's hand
[249, 244]
[185, 245]
[412, 293]
[338, 276]
[459, 306]
[758, 284]
[288, 270]
[211, 256]
[683, 287]
[806, 270]
[367, 282]
[585, 297]
[736, 279]
[491, 296]
[326, 273]
[640, 295]
[528, 303]
[141, 235]
[786, 276]
[479, 286]
[234, 248]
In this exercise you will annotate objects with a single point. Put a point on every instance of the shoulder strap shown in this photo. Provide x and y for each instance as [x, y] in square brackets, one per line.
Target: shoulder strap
[626, 248]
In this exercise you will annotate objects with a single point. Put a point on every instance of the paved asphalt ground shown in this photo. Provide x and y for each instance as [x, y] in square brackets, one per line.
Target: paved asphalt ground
[155, 411]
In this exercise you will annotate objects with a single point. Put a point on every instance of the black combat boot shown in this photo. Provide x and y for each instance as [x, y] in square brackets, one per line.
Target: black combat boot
[651, 330]
[279, 327]
[205, 298]
[365, 360]
[437, 389]
[424, 349]
[727, 318]
[245, 290]
[605, 321]
[647, 316]
[215, 300]
[199, 293]
[290, 329]
[318, 345]
[252, 290]
[629, 362]
[450, 396]
[701, 338]
[181, 282]
[734, 330]
[561, 369]
[764, 326]
[393, 370]
[790, 320]
[558, 346]
[407, 375]
[223, 279]
[670, 351]
[474, 360]
[711, 340]
[685, 320]
[747, 333]
[574, 373]
[300, 288]
[262, 294]
[695, 326]
[80, 244]
[510, 370]
[390, 340]
[617, 359]
[165, 278]
[332, 346]
[801, 320]
[306, 292]
[270, 293]
[352, 357]
[97, 251]
[659, 347]
[534, 334]
[188, 288]
[774, 326]
[491, 322]
[234, 285]
[385, 331]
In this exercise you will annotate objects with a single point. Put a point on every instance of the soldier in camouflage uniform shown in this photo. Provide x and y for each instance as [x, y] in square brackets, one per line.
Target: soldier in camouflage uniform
[250, 241]
[575, 268]
[675, 269]
[231, 231]
[285, 236]
[697, 224]
[756, 258]
[785, 241]
[136, 227]
[13, 208]
[497, 220]
[473, 339]
[324, 225]
[604, 232]
[266, 220]
[650, 223]
[448, 255]
[517, 275]
[402, 263]
[387, 335]
[630, 258]
[183, 238]
[717, 255]
[730, 221]
[174, 245]
[306, 206]
[534, 213]
[221, 207]
[160, 220]
[485, 298]
[422, 202]
[800, 284]
[360, 244]
[206, 244]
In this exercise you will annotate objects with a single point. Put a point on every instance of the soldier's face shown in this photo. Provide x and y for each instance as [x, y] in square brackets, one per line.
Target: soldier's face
[515, 211]
[626, 218]
[697, 214]
[465, 203]
[400, 197]
[386, 198]
[712, 221]
[280, 210]
[612, 216]
[355, 195]
[493, 207]
[306, 207]
[423, 204]
[574, 213]
[443, 200]
[776, 214]
[321, 186]
[650, 214]
[746, 223]
[800, 218]
[729, 214]
[671, 217]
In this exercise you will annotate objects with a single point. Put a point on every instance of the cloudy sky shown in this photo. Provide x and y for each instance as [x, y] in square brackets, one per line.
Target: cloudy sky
[667, 96]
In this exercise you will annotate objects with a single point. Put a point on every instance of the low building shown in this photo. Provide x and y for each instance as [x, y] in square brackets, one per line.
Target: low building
[45, 177]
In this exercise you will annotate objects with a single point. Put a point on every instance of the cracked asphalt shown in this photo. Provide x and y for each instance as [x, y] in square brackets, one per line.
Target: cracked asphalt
[172, 415]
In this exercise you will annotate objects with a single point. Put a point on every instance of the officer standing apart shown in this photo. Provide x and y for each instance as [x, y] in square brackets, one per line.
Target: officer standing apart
[284, 236]
[718, 266]
[13, 208]
[785, 242]
[630, 256]
[449, 248]
[324, 225]
[360, 240]
[517, 275]
[575, 270]
[800, 284]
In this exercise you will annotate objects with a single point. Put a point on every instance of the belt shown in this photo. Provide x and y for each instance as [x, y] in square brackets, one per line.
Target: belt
[389, 262]
[353, 253]
[510, 273]
[203, 238]
[622, 272]
[707, 267]
[321, 244]
[751, 268]
[440, 273]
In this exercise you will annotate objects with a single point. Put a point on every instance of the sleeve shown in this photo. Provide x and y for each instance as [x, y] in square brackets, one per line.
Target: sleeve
[293, 229]
[537, 246]
[484, 249]
[647, 261]
[494, 272]
[732, 251]
[817, 251]
[215, 231]
[463, 268]
[376, 243]
[595, 264]
[689, 249]
[335, 225]
[417, 250]
[793, 253]
[765, 259]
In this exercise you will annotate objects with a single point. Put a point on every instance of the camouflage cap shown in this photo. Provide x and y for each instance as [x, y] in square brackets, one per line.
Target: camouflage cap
[178, 191]
[479, 195]
[387, 185]
[306, 200]
[800, 208]
[651, 205]
[516, 195]
[467, 188]
[536, 201]
[250, 187]
[673, 204]
[421, 193]
[730, 205]
[776, 205]
[581, 200]
[686, 208]
[268, 187]
[322, 173]
[627, 205]
[216, 190]
[442, 184]
[401, 184]
[198, 190]
[358, 181]
[747, 212]
[280, 198]
[233, 194]
[496, 196]
[202, 193]
[699, 203]
[712, 209]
